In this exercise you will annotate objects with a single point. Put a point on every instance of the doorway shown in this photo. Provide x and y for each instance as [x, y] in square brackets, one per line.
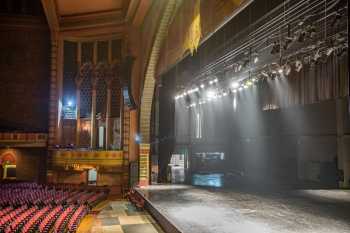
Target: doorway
[92, 176]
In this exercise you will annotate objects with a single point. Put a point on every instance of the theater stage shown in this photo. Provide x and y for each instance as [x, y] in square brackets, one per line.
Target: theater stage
[200, 210]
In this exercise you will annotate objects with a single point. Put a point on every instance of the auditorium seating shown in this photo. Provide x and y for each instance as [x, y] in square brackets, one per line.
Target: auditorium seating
[30, 207]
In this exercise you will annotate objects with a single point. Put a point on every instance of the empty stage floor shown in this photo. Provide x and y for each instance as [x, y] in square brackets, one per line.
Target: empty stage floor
[198, 210]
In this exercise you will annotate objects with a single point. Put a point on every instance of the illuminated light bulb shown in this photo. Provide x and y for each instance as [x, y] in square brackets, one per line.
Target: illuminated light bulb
[235, 85]
[202, 85]
[234, 90]
[254, 79]
[280, 70]
[216, 80]
[249, 83]
[224, 94]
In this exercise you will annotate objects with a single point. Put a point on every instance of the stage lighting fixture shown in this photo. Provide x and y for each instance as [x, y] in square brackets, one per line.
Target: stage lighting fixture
[301, 36]
[255, 56]
[239, 67]
[298, 65]
[211, 82]
[240, 88]
[254, 80]
[211, 94]
[329, 51]
[235, 84]
[234, 90]
[224, 94]
[264, 74]
[280, 70]
[286, 69]
[249, 83]
[275, 48]
[202, 85]
[245, 86]
[70, 103]
[216, 80]
[317, 55]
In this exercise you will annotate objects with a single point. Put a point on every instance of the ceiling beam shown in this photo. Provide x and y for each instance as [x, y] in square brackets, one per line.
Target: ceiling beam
[52, 16]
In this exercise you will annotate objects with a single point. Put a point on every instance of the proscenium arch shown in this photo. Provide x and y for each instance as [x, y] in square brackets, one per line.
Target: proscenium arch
[149, 83]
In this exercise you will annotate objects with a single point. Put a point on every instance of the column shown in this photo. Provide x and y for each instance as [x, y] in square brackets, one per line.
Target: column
[109, 79]
[78, 80]
[93, 99]
[342, 156]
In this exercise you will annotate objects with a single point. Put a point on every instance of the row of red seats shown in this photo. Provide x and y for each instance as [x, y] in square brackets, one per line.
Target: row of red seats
[76, 218]
[32, 208]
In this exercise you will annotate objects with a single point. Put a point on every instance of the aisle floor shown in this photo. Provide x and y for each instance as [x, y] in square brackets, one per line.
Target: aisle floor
[119, 217]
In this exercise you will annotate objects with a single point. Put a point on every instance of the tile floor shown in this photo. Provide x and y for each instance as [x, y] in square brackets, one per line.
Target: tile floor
[122, 217]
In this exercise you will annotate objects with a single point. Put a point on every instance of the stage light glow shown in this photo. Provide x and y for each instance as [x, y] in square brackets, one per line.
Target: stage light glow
[216, 80]
[138, 138]
[224, 94]
[234, 90]
[239, 67]
[287, 69]
[202, 85]
[256, 59]
[280, 70]
[254, 79]
[70, 103]
[235, 84]
[249, 83]
[245, 86]
[240, 88]
[211, 94]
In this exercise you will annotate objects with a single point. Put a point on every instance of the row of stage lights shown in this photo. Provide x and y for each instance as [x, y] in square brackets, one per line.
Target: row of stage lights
[212, 94]
[272, 70]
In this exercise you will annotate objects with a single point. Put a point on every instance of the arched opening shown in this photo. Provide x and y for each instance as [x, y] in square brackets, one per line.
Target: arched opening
[8, 166]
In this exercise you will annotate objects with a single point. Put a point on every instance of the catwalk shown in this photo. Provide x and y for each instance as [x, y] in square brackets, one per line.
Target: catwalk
[199, 210]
